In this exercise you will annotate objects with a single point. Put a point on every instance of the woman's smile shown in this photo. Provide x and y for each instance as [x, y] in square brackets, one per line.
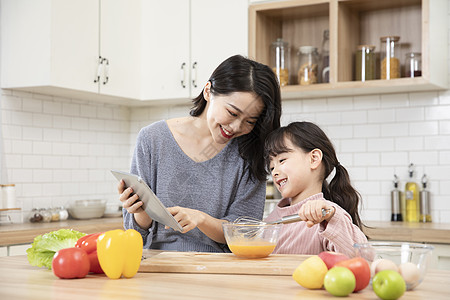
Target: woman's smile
[225, 133]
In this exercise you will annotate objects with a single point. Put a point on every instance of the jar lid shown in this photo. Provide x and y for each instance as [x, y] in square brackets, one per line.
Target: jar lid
[393, 38]
[371, 47]
[280, 43]
[413, 54]
[307, 49]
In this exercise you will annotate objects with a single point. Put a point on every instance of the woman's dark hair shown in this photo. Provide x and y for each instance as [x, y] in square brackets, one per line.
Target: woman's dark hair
[308, 136]
[240, 74]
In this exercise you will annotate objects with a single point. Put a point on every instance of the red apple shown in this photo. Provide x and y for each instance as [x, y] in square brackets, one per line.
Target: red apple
[360, 268]
[331, 258]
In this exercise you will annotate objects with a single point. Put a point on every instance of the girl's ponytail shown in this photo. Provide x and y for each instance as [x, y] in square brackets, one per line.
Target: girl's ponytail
[341, 192]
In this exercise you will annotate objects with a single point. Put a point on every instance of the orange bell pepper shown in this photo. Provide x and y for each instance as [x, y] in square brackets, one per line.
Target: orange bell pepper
[119, 252]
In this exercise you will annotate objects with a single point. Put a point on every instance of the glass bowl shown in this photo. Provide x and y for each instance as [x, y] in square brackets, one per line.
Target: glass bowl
[411, 260]
[251, 240]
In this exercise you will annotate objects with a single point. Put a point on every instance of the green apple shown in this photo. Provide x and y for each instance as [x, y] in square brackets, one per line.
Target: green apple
[339, 281]
[388, 285]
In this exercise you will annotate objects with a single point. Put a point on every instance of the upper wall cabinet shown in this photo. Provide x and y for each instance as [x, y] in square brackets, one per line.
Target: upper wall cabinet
[420, 25]
[118, 50]
[66, 47]
[188, 40]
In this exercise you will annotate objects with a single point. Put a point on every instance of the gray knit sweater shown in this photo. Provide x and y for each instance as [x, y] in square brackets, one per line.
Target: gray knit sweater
[219, 186]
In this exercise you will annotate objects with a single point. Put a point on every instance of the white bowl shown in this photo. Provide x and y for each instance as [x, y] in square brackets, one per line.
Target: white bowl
[87, 209]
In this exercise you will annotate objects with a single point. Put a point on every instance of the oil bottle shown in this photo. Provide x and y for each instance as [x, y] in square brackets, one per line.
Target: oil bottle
[412, 197]
[396, 198]
[425, 211]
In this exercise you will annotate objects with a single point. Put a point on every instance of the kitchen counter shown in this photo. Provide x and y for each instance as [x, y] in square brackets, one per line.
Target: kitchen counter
[409, 232]
[14, 234]
[19, 280]
[25, 233]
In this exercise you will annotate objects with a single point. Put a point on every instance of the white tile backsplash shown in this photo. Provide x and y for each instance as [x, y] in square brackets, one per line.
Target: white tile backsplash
[58, 149]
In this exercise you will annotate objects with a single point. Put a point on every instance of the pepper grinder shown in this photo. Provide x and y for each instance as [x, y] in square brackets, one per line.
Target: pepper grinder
[424, 196]
[396, 196]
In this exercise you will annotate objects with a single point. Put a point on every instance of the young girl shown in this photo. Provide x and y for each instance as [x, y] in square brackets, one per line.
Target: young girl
[301, 158]
[207, 168]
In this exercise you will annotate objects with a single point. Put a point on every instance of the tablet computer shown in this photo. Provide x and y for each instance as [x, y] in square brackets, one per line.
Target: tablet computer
[152, 205]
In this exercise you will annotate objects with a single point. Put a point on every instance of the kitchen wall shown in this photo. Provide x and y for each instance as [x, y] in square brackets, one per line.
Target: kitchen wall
[376, 137]
[57, 150]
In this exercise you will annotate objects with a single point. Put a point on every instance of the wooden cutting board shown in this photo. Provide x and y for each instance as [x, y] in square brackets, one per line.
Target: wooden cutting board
[218, 263]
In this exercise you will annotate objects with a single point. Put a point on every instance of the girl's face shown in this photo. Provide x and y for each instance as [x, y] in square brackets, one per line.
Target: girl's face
[291, 171]
[232, 115]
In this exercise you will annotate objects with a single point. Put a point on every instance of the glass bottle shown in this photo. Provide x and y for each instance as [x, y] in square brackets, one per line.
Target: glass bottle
[325, 57]
[365, 63]
[308, 59]
[280, 60]
[390, 63]
[424, 197]
[412, 197]
[413, 64]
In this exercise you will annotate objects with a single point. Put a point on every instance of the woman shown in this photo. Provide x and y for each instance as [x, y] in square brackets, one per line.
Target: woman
[207, 168]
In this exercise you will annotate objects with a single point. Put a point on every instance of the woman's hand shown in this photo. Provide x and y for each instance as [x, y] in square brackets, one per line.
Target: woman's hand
[186, 217]
[133, 206]
[129, 202]
[311, 212]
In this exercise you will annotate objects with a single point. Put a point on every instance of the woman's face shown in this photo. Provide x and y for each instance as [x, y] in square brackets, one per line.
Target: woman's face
[232, 115]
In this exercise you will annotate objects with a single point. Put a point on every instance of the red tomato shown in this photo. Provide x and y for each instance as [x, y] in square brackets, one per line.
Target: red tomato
[71, 263]
[89, 244]
[360, 268]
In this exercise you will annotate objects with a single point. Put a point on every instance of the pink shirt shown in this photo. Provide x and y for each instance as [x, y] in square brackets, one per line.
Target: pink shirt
[338, 235]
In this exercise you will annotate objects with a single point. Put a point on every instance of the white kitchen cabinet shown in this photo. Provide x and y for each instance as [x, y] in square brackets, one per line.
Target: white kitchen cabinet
[441, 257]
[192, 39]
[55, 46]
[117, 50]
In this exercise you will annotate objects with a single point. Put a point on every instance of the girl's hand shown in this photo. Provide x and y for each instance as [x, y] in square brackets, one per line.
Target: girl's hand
[311, 212]
[129, 200]
[188, 218]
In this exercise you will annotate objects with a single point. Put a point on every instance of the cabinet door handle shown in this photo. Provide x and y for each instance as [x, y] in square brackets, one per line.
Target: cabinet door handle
[105, 71]
[194, 73]
[99, 69]
[183, 75]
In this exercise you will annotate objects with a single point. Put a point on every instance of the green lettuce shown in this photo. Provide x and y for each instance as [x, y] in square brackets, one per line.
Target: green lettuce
[45, 246]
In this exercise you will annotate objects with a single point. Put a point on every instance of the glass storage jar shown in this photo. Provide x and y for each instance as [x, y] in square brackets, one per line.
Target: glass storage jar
[308, 59]
[390, 63]
[413, 64]
[63, 213]
[280, 55]
[365, 63]
[325, 58]
[46, 215]
[35, 216]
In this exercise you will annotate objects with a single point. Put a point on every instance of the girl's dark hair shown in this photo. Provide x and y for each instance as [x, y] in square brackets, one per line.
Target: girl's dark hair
[308, 136]
[240, 74]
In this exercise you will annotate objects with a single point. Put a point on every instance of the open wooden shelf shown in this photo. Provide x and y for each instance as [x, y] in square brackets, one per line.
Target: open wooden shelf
[419, 23]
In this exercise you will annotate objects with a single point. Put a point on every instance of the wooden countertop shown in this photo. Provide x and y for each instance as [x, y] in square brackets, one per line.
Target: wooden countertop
[19, 280]
[409, 232]
[25, 233]
[387, 231]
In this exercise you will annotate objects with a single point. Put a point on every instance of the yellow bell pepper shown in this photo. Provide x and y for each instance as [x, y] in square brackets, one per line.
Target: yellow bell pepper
[120, 252]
